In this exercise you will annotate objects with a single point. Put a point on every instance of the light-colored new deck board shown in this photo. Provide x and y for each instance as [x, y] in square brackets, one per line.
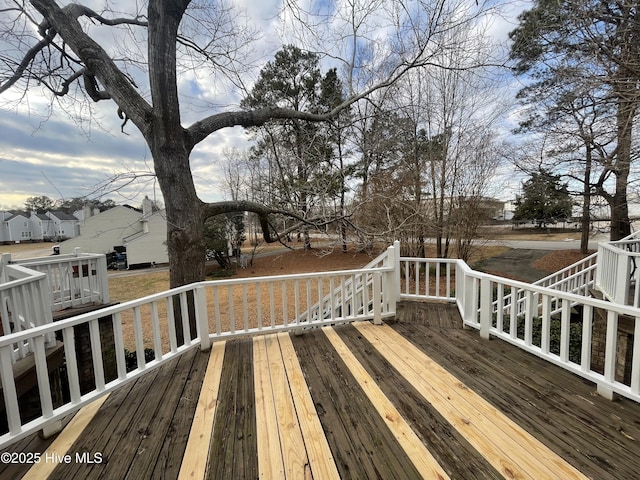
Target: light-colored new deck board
[509, 448]
[196, 456]
[420, 456]
[270, 462]
[63, 442]
[318, 452]
[294, 455]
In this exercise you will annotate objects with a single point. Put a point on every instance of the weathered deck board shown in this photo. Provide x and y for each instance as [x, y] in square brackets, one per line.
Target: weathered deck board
[31, 444]
[420, 456]
[130, 439]
[506, 446]
[459, 459]
[171, 455]
[336, 393]
[234, 446]
[115, 416]
[563, 411]
[362, 445]
[64, 441]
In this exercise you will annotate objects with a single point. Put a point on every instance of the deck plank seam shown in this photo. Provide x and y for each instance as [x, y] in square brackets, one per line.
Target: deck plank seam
[196, 458]
[463, 405]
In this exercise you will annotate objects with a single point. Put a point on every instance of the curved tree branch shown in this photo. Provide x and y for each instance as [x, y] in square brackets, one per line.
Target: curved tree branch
[263, 212]
[28, 58]
[64, 22]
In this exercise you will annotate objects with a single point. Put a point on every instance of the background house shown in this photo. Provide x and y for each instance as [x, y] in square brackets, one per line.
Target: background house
[102, 232]
[150, 244]
[15, 228]
[42, 227]
[65, 225]
[141, 233]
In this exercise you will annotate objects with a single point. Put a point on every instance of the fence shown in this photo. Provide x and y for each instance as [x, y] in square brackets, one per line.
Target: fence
[618, 271]
[76, 279]
[557, 325]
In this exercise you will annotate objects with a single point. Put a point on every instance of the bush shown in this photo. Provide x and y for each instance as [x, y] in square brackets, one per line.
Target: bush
[575, 335]
[131, 360]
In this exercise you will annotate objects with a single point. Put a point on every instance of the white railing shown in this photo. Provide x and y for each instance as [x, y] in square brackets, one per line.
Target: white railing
[541, 320]
[76, 279]
[154, 329]
[578, 278]
[553, 324]
[619, 271]
[352, 293]
[24, 295]
[427, 278]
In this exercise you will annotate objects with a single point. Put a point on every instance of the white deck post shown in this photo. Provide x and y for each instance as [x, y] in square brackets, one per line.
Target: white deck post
[5, 259]
[622, 279]
[485, 308]
[103, 278]
[611, 342]
[470, 300]
[377, 299]
[202, 319]
[391, 282]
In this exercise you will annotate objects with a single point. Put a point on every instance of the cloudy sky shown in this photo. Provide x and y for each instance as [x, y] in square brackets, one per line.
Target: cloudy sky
[46, 151]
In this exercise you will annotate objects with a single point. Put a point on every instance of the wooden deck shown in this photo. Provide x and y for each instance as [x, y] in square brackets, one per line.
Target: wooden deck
[356, 401]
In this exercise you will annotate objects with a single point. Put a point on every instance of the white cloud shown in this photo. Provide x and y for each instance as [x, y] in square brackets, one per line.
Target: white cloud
[53, 155]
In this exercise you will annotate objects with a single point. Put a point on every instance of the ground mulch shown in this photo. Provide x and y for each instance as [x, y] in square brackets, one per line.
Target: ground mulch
[558, 259]
[280, 263]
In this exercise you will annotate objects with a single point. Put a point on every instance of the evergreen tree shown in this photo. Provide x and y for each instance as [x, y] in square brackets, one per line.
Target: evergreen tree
[591, 48]
[544, 199]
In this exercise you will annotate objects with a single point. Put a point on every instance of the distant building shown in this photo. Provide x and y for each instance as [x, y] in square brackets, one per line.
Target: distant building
[42, 227]
[15, 228]
[141, 234]
[65, 225]
[102, 232]
[150, 244]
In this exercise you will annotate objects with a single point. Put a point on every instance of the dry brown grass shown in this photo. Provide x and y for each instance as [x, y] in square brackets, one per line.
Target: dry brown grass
[132, 286]
[243, 299]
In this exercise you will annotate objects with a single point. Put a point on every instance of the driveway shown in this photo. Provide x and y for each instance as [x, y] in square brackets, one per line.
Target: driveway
[515, 263]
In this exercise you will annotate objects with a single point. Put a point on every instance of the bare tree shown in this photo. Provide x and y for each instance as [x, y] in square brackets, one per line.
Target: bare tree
[64, 49]
[592, 47]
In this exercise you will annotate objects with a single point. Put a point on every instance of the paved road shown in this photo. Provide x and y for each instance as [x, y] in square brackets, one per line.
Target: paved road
[567, 244]
[546, 245]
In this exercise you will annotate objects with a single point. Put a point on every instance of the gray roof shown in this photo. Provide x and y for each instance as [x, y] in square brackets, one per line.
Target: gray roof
[64, 216]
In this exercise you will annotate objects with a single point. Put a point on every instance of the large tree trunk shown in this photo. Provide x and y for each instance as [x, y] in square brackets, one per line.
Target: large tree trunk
[586, 202]
[185, 221]
[171, 147]
[620, 223]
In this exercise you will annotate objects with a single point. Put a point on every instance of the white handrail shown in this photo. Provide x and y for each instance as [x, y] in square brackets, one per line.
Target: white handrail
[220, 309]
[75, 280]
[23, 305]
[522, 314]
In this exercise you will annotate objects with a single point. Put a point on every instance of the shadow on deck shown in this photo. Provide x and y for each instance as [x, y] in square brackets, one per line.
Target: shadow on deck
[402, 400]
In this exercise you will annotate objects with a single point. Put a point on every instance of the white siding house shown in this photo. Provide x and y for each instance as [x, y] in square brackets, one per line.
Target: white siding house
[143, 233]
[65, 225]
[3, 215]
[104, 231]
[15, 228]
[150, 244]
[42, 227]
